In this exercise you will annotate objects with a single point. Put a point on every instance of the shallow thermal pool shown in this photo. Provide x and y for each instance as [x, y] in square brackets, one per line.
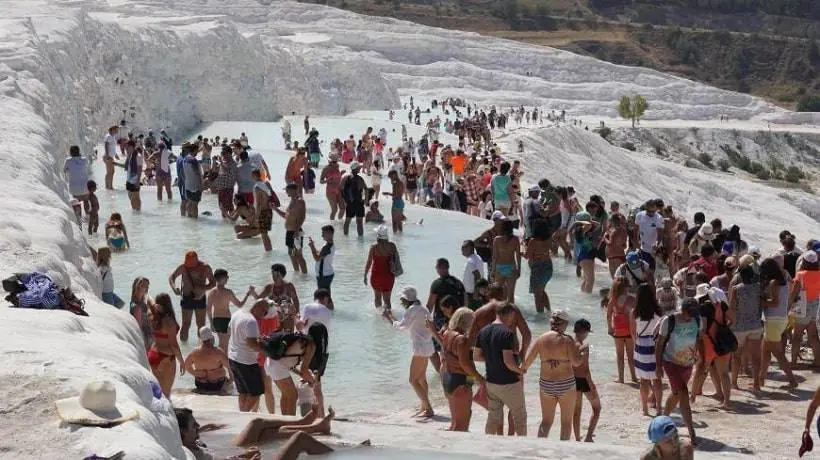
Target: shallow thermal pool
[367, 371]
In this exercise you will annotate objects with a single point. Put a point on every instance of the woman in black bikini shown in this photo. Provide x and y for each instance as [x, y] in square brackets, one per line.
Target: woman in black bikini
[559, 354]
[247, 229]
[458, 370]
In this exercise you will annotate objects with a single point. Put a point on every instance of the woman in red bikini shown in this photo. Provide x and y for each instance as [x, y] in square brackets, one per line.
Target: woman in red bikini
[618, 314]
[379, 258]
[165, 348]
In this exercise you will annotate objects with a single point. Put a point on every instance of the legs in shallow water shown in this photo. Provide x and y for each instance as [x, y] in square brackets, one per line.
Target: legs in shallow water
[418, 380]
[287, 403]
[186, 324]
[300, 443]
[270, 401]
[262, 430]
[588, 273]
[548, 404]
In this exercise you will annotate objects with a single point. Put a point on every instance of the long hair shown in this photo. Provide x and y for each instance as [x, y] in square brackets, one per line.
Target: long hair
[618, 288]
[163, 308]
[770, 270]
[646, 305]
[134, 287]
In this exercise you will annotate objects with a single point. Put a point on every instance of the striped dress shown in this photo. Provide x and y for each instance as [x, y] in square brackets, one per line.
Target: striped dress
[645, 348]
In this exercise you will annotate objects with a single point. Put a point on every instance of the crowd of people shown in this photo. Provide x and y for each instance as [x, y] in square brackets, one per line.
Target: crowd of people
[681, 296]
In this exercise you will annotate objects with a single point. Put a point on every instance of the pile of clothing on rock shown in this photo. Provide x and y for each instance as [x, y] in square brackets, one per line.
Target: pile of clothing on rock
[38, 291]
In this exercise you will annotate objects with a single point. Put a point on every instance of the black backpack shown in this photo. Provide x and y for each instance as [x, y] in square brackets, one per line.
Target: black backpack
[275, 346]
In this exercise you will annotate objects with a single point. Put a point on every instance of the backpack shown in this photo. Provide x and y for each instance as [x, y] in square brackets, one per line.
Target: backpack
[724, 341]
[275, 346]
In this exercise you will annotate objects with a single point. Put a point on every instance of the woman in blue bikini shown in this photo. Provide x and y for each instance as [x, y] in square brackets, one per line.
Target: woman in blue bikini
[507, 259]
[397, 210]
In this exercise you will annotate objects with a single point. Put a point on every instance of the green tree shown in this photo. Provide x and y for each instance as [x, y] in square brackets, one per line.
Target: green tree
[809, 103]
[632, 108]
[511, 13]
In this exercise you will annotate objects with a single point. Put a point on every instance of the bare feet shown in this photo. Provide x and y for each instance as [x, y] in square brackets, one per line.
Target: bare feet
[588, 439]
[323, 427]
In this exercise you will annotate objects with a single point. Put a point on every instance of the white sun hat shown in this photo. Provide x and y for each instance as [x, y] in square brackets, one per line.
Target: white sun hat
[97, 405]
[702, 290]
[706, 232]
[382, 233]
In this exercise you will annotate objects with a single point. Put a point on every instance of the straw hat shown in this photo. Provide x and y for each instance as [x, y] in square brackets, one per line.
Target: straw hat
[96, 406]
[560, 315]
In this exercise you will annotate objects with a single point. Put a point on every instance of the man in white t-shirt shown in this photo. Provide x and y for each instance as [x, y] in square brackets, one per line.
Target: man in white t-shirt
[110, 155]
[473, 269]
[243, 350]
[650, 227]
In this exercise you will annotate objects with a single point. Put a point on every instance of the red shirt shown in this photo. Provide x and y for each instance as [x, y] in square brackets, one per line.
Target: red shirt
[708, 267]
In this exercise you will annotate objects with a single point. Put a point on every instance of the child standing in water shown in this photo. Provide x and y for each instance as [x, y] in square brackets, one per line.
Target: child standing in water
[219, 307]
[93, 208]
[103, 258]
[115, 233]
[583, 383]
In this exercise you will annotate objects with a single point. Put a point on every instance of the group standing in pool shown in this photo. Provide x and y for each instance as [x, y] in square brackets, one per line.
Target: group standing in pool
[685, 298]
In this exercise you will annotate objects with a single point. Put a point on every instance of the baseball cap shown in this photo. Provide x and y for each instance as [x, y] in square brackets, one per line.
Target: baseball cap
[754, 251]
[661, 428]
[498, 215]
[355, 165]
[810, 257]
[633, 260]
[534, 188]
[205, 334]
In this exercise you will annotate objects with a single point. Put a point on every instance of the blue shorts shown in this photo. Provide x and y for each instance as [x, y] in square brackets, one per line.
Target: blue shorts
[505, 270]
[398, 203]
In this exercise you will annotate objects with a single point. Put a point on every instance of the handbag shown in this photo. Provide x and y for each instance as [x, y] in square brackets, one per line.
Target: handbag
[395, 265]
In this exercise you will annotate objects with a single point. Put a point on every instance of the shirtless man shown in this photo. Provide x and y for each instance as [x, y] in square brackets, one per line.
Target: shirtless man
[197, 280]
[218, 310]
[397, 210]
[293, 171]
[583, 383]
[294, 219]
[507, 259]
[208, 364]
[110, 156]
[484, 242]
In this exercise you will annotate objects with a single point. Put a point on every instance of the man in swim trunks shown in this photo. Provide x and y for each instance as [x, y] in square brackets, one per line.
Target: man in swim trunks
[197, 280]
[294, 219]
[583, 383]
[219, 308]
[353, 192]
[208, 364]
[397, 210]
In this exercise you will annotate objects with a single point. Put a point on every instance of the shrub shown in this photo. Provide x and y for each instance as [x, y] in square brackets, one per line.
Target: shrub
[628, 146]
[764, 174]
[794, 174]
[755, 168]
[659, 151]
[809, 103]
[605, 131]
[724, 164]
[689, 163]
[706, 159]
